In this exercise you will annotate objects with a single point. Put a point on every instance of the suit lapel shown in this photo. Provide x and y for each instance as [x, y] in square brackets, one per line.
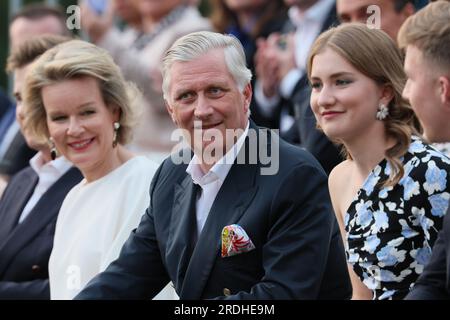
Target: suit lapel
[42, 214]
[235, 195]
[20, 197]
[182, 230]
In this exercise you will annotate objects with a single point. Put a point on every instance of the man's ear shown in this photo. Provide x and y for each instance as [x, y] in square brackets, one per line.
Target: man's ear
[248, 92]
[170, 111]
[444, 91]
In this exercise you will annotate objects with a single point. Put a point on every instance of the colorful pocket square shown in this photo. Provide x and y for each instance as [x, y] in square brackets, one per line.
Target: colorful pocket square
[235, 240]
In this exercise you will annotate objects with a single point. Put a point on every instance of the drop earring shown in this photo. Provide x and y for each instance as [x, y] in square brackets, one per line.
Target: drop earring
[53, 151]
[382, 112]
[116, 129]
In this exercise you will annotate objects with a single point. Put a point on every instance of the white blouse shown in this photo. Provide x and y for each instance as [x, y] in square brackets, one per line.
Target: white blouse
[94, 222]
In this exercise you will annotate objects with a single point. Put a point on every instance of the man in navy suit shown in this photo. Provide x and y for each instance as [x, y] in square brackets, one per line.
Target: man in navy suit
[426, 37]
[31, 21]
[30, 204]
[248, 216]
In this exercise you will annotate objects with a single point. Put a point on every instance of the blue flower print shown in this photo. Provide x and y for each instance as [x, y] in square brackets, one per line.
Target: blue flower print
[439, 204]
[407, 232]
[389, 255]
[436, 179]
[391, 229]
[352, 257]
[369, 280]
[392, 206]
[364, 215]
[381, 220]
[387, 295]
[411, 188]
[421, 257]
[371, 244]
[372, 180]
[434, 153]
[418, 218]
[384, 192]
[416, 146]
[387, 169]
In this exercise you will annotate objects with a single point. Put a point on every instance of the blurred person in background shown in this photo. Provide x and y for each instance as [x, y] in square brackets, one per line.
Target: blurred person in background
[31, 21]
[282, 90]
[392, 13]
[426, 38]
[31, 202]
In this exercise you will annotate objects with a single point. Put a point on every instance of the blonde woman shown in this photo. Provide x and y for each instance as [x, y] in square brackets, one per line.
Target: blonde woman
[392, 192]
[77, 98]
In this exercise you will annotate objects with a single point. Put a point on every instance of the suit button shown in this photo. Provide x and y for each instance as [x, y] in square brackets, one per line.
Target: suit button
[35, 269]
[226, 292]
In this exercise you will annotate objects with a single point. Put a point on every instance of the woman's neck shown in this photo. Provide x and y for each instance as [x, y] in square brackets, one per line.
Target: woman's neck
[366, 152]
[118, 156]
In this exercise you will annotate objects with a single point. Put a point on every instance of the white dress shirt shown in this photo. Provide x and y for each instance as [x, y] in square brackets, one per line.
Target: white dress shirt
[48, 173]
[211, 182]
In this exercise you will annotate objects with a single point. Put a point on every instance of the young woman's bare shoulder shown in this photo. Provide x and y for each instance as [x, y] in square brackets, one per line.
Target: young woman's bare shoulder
[340, 174]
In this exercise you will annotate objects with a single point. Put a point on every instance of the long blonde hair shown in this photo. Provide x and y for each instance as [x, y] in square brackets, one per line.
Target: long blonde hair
[373, 53]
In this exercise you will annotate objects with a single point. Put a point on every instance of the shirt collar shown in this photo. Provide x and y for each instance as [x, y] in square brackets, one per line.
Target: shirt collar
[221, 168]
[317, 13]
[60, 164]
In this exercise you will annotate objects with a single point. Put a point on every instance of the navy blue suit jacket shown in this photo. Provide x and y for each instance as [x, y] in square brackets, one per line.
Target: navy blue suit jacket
[434, 282]
[299, 252]
[25, 248]
[17, 156]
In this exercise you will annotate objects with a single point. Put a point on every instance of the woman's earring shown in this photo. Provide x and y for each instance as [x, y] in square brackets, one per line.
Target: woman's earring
[116, 129]
[382, 112]
[53, 151]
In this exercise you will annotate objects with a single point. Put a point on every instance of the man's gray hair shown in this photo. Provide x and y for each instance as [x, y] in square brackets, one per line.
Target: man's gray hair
[195, 44]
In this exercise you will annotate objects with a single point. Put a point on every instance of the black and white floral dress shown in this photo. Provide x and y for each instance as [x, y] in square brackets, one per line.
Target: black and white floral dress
[390, 231]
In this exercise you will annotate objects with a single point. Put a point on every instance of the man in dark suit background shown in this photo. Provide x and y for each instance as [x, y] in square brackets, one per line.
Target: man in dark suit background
[425, 37]
[248, 216]
[30, 204]
[282, 90]
[31, 21]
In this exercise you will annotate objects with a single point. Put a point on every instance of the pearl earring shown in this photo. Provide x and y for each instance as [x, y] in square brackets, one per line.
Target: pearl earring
[116, 129]
[53, 151]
